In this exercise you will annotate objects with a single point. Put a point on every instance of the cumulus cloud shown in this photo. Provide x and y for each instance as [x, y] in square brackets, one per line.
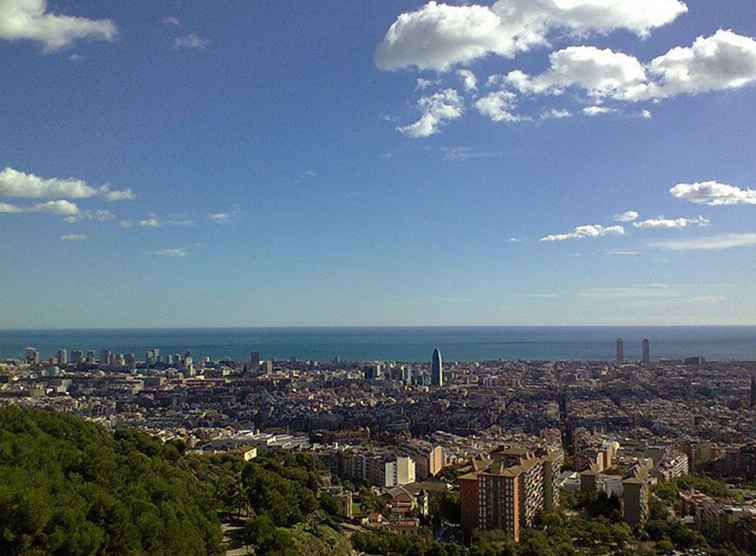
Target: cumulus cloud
[30, 20]
[600, 72]
[469, 81]
[710, 243]
[73, 237]
[714, 194]
[627, 216]
[14, 183]
[171, 20]
[436, 109]
[192, 41]
[722, 61]
[587, 231]
[150, 222]
[439, 36]
[59, 208]
[662, 223]
[18, 184]
[498, 106]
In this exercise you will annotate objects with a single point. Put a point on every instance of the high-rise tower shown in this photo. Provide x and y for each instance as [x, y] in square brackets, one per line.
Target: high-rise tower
[753, 391]
[620, 351]
[437, 369]
[646, 351]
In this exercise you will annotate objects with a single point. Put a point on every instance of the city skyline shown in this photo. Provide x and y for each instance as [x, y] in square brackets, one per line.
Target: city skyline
[568, 163]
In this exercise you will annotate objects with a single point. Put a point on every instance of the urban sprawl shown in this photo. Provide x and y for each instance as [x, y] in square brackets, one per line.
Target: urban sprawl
[507, 436]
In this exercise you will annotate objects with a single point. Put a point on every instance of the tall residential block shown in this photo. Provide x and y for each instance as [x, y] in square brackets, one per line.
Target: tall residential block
[508, 491]
[646, 351]
[635, 497]
[491, 500]
[620, 354]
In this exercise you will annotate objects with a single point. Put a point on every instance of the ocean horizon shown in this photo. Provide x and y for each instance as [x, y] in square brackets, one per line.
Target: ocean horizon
[405, 343]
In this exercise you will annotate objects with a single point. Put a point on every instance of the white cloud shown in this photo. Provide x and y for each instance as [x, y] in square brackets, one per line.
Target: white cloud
[73, 237]
[177, 252]
[422, 84]
[710, 243]
[18, 184]
[592, 111]
[662, 223]
[151, 222]
[30, 20]
[623, 253]
[220, 217]
[93, 215]
[467, 153]
[646, 114]
[7, 208]
[60, 208]
[436, 109]
[600, 72]
[113, 196]
[14, 183]
[439, 36]
[469, 81]
[724, 60]
[180, 223]
[498, 106]
[126, 224]
[627, 216]
[171, 20]
[556, 114]
[191, 41]
[650, 290]
[714, 194]
[587, 231]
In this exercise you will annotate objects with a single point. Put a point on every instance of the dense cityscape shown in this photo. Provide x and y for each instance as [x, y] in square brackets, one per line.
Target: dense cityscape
[506, 439]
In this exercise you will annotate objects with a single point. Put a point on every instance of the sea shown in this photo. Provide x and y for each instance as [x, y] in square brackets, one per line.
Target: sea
[409, 344]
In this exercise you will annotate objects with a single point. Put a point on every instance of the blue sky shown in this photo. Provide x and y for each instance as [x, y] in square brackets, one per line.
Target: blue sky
[377, 163]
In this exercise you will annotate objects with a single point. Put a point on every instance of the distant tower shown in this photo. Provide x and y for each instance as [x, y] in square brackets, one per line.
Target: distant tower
[62, 357]
[753, 391]
[254, 359]
[620, 351]
[646, 350]
[437, 369]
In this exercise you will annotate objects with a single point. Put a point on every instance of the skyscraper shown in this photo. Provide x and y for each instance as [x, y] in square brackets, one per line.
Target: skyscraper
[254, 359]
[620, 351]
[753, 392]
[646, 351]
[62, 357]
[437, 369]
